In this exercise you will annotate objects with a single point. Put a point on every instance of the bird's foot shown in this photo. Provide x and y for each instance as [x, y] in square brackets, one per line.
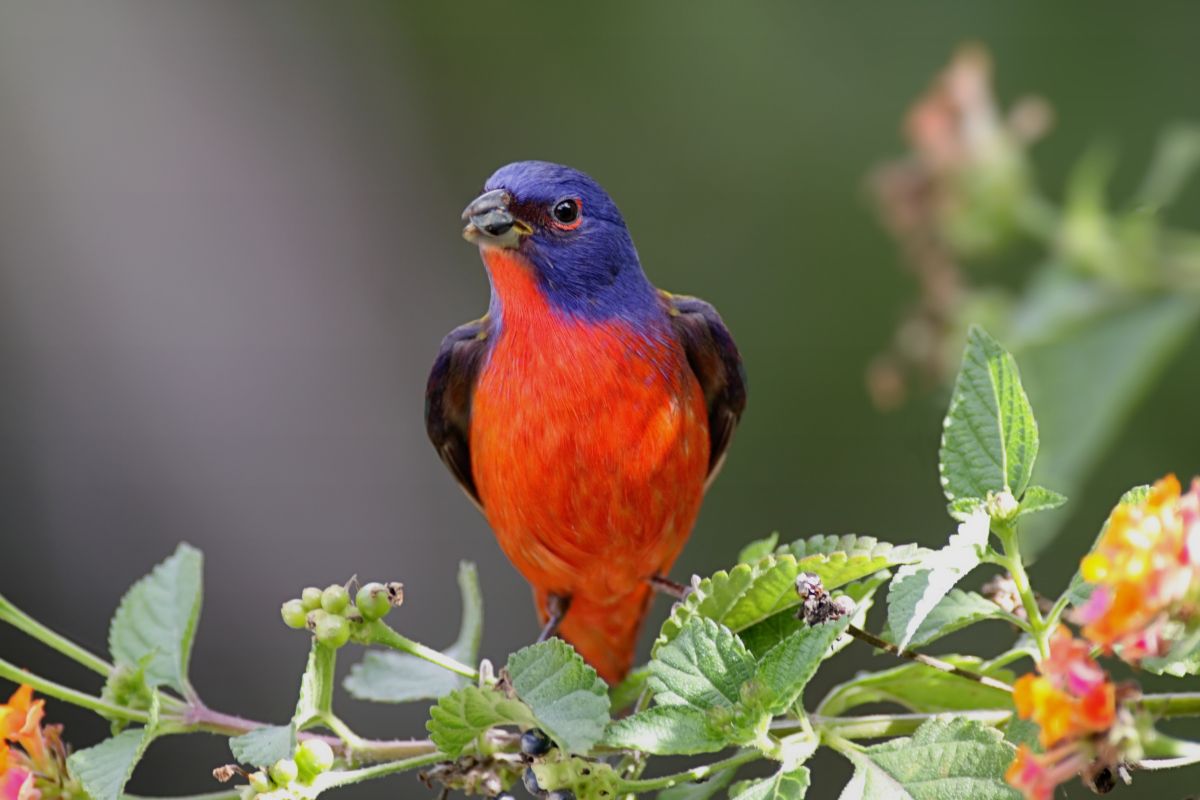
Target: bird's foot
[556, 608]
[664, 585]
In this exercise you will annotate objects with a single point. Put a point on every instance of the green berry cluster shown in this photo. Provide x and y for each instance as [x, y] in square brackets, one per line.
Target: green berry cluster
[312, 757]
[329, 613]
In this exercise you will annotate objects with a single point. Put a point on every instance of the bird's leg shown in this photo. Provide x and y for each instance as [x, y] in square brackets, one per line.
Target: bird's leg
[556, 609]
[663, 584]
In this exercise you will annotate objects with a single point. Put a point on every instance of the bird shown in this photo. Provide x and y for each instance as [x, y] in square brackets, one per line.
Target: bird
[587, 412]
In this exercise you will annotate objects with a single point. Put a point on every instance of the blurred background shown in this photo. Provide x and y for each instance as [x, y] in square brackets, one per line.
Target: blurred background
[230, 244]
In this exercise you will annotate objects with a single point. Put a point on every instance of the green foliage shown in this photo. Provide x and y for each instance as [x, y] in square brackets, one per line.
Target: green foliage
[105, 768]
[748, 594]
[701, 790]
[316, 687]
[920, 689]
[389, 677]
[262, 747]
[790, 785]
[944, 760]
[568, 699]
[918, 588]
[990, 439]
[155, 623]
[667, 730]
[957, 610]
[758, 549]
[461, 716]
[704, 666]
[786, 668]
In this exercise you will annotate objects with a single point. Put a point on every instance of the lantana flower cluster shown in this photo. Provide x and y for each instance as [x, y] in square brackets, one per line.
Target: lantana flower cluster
[1145, 574]
[33, 758]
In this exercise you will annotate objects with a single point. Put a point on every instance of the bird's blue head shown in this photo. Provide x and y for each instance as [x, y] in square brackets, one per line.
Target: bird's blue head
[568, 231]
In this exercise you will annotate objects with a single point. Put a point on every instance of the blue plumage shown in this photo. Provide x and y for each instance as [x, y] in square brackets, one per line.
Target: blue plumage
[591, 271]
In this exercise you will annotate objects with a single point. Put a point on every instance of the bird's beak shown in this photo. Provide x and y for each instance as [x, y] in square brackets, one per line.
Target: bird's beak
[490, 223]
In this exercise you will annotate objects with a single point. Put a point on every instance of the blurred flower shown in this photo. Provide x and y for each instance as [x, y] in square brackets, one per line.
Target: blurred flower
[1076, 708]
[1146, 573]
[36, 766]
[1037, 775]
[964, 189]
[1071, 697]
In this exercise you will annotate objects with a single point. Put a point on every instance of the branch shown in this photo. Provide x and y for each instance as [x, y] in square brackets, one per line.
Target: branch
[28, 625]
[378, 632]
[929, 661]
[73, 696]
[687, 776]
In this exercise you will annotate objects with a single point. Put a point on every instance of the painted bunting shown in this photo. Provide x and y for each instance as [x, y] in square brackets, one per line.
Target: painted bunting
[587, 411]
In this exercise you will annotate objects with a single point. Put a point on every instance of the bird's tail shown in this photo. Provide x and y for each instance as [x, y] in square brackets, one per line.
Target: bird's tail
[605, 630]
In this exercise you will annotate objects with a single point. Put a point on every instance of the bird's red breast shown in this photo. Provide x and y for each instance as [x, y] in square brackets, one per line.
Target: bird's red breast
[589, 448]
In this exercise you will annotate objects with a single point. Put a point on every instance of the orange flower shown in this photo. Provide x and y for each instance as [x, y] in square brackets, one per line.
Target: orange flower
[1036, 776]
[21, 722]
[1145, 569]
[1071, 697]
[39, 759]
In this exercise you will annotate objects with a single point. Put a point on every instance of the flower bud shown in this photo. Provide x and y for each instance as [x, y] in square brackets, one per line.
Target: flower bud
[332, 630]
[260, 781]
[373, 601]
[313, 757]
[311, 598]
[294, 614]
[335, 598]
[284, 771]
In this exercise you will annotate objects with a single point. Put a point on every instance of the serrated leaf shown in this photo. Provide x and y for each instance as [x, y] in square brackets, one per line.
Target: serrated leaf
[1182, 660]
[700, 790]
[384, 676]
[944, 760]
[262, 747]
[918, 588]
[920, 689]
[704, 666]
[1039, 498]
[791, 785]
[666, 730]
[990, 438]
[465, 713]
[104, 769]
[757, 549]
[786, 668]
[566, 695]
[957, 610]
[316, 686]
[155, 623]
[748, 594]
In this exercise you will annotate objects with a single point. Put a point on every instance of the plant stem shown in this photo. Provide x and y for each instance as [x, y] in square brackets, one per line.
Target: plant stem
[881, 726]
[1176, 704]
[379, 632]
[23, 622]
[201, 719]
[331, 779]
[929, 661]
[687, 776]
[229, 794]
[1016, 568]
[73, 696]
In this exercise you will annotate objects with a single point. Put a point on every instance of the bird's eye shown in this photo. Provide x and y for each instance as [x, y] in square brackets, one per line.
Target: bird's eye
[566, 213]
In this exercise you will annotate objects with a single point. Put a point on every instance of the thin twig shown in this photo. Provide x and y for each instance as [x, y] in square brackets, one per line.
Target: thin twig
[929, 661]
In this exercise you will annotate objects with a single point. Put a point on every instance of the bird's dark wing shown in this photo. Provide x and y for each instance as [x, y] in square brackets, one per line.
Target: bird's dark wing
[448, 399]
[715, 360]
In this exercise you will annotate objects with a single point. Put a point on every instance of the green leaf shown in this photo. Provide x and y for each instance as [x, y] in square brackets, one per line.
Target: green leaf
[759, 548]
[465, 713]
[700, 790]
[1182, 660]
[1104, 363]
[920, 689]
[955, 611]
[666, 730]
[1039, 498]
[156, 620]
[262, 747]
[704, 666]
[627, 692]
[569, 700]
[316, 686]
[786, 668]
[918, 588]
[990, 439]
[944, 760]
[104, 769]
[782, 785]
[748, 594]
[385, 676]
